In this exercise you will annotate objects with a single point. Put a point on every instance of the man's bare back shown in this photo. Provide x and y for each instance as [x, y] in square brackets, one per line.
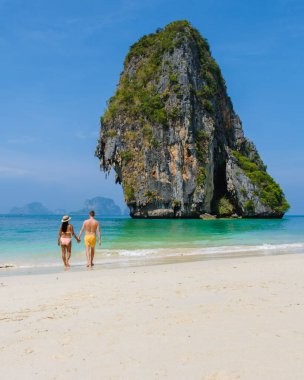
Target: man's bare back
[91, 226]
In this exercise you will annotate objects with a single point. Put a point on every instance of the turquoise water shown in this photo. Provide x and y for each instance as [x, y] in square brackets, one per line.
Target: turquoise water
[32, 240]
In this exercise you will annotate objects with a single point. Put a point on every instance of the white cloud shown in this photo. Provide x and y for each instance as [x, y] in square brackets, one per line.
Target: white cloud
[7, 171]
[22, 140]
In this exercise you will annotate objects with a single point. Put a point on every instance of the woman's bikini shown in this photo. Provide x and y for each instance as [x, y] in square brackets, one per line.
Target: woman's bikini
[66, 240]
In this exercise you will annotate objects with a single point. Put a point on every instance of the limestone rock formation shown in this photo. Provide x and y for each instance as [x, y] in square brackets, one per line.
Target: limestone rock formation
[171, 134]
[34, 208]
[101, 205]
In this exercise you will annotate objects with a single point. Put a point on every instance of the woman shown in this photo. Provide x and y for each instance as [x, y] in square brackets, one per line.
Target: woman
[65, 239]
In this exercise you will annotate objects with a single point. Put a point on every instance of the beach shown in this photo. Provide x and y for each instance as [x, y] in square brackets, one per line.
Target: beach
[232, 318]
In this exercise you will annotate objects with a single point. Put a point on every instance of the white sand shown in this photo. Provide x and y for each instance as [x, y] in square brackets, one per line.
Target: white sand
[216, 320]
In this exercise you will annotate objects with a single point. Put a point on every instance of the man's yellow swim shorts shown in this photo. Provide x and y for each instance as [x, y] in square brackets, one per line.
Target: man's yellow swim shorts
[90, 240]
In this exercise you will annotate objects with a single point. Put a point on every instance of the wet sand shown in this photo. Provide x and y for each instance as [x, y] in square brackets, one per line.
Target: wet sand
[234, 318]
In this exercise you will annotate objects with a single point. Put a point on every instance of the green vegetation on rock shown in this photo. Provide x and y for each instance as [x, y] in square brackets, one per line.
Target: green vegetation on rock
[176, 204]
[126, 156]
[111, 133]
[249, 206]
[147, 132]
[207, 106]
[270, 193]
[137, 94]
[161, 42]
[202, 141]
[129, 193]
[224, 207]
[154, 143]
[151, 196]
[201, 176]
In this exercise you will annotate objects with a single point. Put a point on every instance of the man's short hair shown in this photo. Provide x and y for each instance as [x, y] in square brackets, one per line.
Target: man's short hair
[92, 213]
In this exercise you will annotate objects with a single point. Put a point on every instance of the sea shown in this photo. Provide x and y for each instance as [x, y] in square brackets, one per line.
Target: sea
[31, 241]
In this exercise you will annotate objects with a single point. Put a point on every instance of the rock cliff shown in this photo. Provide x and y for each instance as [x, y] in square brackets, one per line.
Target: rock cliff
[171, 134]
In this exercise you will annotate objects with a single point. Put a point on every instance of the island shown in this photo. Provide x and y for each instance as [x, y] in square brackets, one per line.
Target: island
[101, 205]
[172, 136]
[33, 208]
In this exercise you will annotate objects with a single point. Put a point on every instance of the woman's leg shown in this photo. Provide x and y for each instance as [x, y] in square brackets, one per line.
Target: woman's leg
[63, 251]
[69, 251]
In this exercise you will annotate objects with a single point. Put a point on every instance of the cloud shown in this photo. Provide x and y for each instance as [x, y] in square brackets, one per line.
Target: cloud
[51, 168]
[7, 171]
[22, 140]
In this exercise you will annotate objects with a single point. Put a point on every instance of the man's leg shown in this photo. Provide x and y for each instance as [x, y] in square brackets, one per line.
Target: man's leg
[88, 255]
[92, 255]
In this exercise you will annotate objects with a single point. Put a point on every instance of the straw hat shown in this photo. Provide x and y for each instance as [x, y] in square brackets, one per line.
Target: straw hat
[66, 218]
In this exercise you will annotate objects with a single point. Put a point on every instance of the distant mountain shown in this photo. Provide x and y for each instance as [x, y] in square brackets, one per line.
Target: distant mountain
[34, 208]
[60, 211]
[101, 206]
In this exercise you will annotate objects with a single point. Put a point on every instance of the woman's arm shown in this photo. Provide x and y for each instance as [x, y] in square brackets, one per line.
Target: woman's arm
[59, 235]
[81, 231]
[73, 233]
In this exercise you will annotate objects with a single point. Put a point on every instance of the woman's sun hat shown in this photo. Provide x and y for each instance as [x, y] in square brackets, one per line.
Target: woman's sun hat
[66, 218]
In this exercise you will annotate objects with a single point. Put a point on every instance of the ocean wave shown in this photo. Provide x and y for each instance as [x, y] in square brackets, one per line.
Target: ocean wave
[202, 251]
[129, 256]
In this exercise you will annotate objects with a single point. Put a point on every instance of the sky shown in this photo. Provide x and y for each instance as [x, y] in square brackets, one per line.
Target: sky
[61, 60]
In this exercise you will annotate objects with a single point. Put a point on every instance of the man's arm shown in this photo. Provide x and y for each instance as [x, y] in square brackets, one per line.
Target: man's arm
[99, 234]
[81, 231]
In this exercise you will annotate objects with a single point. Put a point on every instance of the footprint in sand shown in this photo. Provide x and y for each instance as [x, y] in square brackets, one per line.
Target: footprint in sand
[222, 375]
[28, 351]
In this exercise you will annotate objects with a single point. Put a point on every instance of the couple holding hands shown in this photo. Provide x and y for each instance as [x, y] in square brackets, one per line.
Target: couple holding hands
[66, 231]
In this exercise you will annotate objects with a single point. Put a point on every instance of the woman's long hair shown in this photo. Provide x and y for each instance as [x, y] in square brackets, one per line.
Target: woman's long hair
[64, 226]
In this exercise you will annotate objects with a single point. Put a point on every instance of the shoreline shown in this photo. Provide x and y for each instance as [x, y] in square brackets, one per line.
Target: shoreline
[141, 261]
[228, 319]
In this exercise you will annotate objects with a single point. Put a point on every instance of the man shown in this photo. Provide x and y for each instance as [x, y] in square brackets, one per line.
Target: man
[91, 226]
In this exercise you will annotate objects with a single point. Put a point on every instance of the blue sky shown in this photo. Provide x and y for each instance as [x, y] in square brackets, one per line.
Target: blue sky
[60, 62]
